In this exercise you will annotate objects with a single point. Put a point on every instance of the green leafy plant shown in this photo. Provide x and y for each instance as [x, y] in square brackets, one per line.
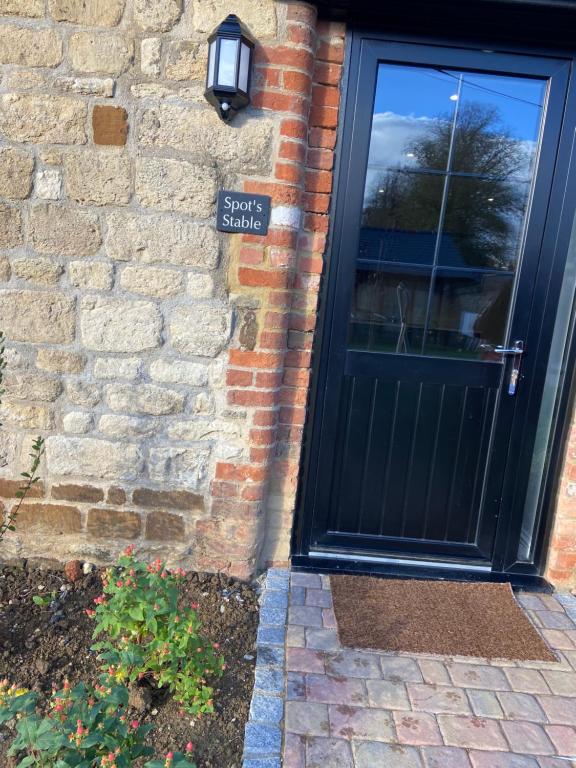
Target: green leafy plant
[31, 477]
[43, 600]
[146, 635]
[83, 728]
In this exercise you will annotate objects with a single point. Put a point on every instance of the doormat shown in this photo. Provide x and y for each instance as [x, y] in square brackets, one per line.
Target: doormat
[447, 618]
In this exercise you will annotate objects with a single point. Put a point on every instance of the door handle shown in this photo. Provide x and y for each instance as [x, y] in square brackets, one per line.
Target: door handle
[516, 352]
[517, 349]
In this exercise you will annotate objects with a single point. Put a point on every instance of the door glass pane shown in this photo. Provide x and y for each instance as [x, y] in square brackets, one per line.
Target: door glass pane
[483, 223]
[413, 114]
[389, 311]
[497, 125]
[446, 195]
[401, 216]
[468, 314]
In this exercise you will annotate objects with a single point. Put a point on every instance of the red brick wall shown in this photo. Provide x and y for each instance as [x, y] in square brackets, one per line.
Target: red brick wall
[561, 566]
[253, 502]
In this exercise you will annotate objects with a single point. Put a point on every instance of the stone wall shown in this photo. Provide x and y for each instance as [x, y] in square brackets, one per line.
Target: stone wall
[130, 321]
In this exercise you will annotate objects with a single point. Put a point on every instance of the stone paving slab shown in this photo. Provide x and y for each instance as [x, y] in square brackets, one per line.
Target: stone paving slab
[347, 708]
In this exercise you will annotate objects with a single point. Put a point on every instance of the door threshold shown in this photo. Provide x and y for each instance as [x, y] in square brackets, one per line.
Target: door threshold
[317, 562]
[400, 561]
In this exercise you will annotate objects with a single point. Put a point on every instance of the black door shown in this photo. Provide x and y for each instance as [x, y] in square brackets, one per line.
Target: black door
[448, 162]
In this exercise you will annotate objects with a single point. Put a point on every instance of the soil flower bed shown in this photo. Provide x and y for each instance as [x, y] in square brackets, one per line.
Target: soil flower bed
[46, 638]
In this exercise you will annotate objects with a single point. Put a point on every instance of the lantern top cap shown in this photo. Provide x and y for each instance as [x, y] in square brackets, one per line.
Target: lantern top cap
[232, 27]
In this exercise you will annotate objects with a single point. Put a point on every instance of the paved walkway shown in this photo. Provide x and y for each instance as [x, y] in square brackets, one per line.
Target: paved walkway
[358, 709]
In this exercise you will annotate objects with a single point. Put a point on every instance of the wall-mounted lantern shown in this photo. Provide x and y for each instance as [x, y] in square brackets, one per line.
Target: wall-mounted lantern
[230, 55]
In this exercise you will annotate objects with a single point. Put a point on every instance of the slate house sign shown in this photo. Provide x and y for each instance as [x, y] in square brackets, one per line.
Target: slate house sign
[241, 212]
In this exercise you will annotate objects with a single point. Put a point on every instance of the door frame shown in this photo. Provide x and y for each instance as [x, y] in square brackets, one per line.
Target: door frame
[557, 233]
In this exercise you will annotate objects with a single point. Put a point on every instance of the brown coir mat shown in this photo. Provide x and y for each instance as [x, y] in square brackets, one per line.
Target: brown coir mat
[448, 618]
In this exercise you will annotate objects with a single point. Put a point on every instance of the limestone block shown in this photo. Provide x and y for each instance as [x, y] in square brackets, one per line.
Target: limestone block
[186, 61]
[26, 79]
[37, 316]
[200, 285]
[203, 404]
[117, 368]
[188, 467]
[60, 361]
[199, 429]
[98, 178]
[63, 231]
[144, 399]
[5, 270]
[119, 325]
[179, 372]
[50, 156]
[77, 422]
[157, 15]
[48, 184]
[161, 240]
[89, 457]
[29, 47]
[245, 146]
[93, 275]
[83, 393]
[175, 185]
[258, 15]
[150, 51]
[16, 169]
[24, 416]
[100, 52]
[151, 281]
[86, 86]
[10, 227]
[199, 329]
[43, 119]
[88, 13]
[30, 8]
[37, 270]
[114, 425]
[26, 385]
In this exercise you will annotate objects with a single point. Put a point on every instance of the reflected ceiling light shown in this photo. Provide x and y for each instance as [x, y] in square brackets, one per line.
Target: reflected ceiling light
[454, 97]
[381, 191]
[490, 199]
[410, 154]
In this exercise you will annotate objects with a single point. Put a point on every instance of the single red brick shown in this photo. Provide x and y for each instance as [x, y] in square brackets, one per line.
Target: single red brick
[251, 255]
[239, 472]
[309, 283]
[320, 158]
[294, 129]
[323, 117]
[240, 378]
[315, 202]
[268, 379]
[322, 137]
[262, 360]
[302, 322]
[263, 436]
[71, 492]
[265, 418]
[293, 396]
[318, 181]
[224, 490]
[254, 492]
[315, 222]
[301, 34]
[276, 320]
[9, 488]
[297, 82]
[267, 77]
[325, 96]
[292, 415]
[264, 278]
[332, 50]
[296, 377]
[116, 495]
[283, 238]
[293, 150]
[326, 73]
[250, 397]
[312, 241]
[313, 264]
[227, 507]
[280, 193]
[280, 102]
[298, 358]
[282, 258]
[262, 454]
[288, 172]
[271, 340]
[299, 340]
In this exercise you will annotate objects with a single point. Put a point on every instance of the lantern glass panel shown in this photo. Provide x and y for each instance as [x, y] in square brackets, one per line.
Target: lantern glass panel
[244, 67]
[227, 63]
[211, 63]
